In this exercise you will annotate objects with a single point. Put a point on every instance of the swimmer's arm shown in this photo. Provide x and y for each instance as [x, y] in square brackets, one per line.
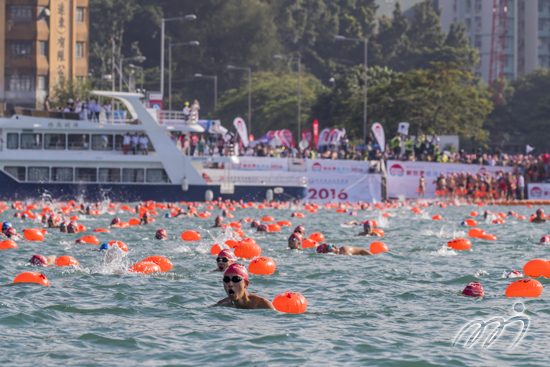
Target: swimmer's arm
[362, 234]
[50, 260]
[364, 252]
[226, 302]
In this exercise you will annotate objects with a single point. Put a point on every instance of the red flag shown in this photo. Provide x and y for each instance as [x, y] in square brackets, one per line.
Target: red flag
[316, 132]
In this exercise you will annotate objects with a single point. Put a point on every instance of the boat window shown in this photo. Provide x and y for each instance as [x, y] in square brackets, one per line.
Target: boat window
[55, 141]
[102, 142]
[118, 142]
[37, 174]
[17, 172]
[86, 174]
[31, 141]
[109, 175]
[79, 141]
[13, 141]
[64, 174]
[133, 175]
[157, 175]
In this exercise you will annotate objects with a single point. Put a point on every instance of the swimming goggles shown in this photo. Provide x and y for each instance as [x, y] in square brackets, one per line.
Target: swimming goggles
[224, 259]
[235, 279]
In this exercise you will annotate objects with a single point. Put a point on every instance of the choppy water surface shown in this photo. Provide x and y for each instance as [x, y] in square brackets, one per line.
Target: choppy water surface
[389, 309]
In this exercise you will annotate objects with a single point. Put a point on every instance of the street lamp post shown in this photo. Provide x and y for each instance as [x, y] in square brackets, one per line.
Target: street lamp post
[231, 67]
[163, 27]
[365, 42]
[141, 69]
[120, 61]
[191, 43]
[215, 77]
[299, 59]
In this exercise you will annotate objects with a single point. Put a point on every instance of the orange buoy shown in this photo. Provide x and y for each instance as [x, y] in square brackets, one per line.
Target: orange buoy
[81, 228]
[232, 243]
[66, 261]
[274, 228]
[460, 244]
[248, 240]
[537, 268]
[268, 219]
[239, 231]
[248, 250]
[490, 237]
[298, 215]
[386, 215]
[317, 236]
[33, 234]
[476, 232]
[191, 236]
[377, 247]
[524, 288]
[7, 244]
[145, 267]
[290, 302]
[134, 221]
[469, 222]
[120, 244]
[32, 277]
[262, 265]
[522, 217]
[216, 249]
[474, 214]
[74, 217]
[164, 263]
[90, 239]
[284, 223]
[379, 231]
[340, 210]
[235, 224]
[102, 230]
[437, 217]
[203, 215]
[307, 243]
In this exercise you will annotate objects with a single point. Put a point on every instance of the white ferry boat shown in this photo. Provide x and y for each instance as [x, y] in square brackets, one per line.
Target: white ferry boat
[61, 156]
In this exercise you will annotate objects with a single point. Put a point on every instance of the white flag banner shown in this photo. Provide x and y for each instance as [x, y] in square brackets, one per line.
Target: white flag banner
[529, 149]
[241, 129]
[334, 134]
[403, 128]
[324, 137]
[378, 131]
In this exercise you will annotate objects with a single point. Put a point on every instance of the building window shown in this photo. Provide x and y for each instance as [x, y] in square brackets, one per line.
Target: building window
[55, 141]
[109, 175]
[80, 50]
[478, 24]
[21, 13]
[42, 83]
[31, 141]
[79, 142]
[468, 6]
[102, 142]
[541, 7]
[39, 174]
[478, 41]
[132, 175]
[17, 172]
[43, 48]
[64, 174]
[20, 83]
[13, 141]
[86, 174]
[80, 15]
[478, 6]
[468, 25]
[541, 25]
[157, 175]
[20, 49]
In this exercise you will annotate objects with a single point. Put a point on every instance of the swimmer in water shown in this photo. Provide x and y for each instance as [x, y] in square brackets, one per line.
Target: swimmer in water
[295, 241]
[224, 260]
[235, 283]
[255, 223]
[263, 228]
[301, 230]
[161, 235]
[72, 227]
[344, 250]
[115, 223]
[486, 214]
[421, 186]
[63, 227]
[5, 227]
[367, 230]
[540, 218]
[218, 222]
[40, 260]
[12, 234]
[51, 222]
[144, 219]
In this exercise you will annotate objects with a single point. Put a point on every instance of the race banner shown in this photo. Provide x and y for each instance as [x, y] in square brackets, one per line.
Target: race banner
[337, 166]
[261, 164]
[346, 187]
[378, 131]
[324, 137]
[307, 136]
[241, 129]
[316, 132]
[403, 128]
[403, 177]
[538, 191]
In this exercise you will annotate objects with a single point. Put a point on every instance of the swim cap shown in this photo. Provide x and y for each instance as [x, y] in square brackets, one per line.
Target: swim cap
[297, 236]
[238, 269]
[225, 212]
[72, 225]
[161, 233]
[17, 215]
[540, 211]
[89, 207]
[545, 239]
[487, 212]
[300, 229]
[324, 248]
[255, 223]
[474, 289]
[368, 224]
[227, 253]
[219, 218]
[105, 246]
[166, 215]
[63, 224]
[25, 215]
[38, 260]
[263, 228]
[145, 215]
[115, 221]
[11, 231]
[6, 225]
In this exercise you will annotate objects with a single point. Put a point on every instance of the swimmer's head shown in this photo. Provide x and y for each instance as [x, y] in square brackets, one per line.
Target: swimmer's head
[5, 226]
[263, 228]
[145, 215]
[235, 281]
[10, 232]
[104, 246]
[115, 221]
[17, 215]
[219, 220]
[225, 259]
[540, 211]
[161, 234]
[38, 260]
[325, 248]
[224, 213]
[72, 227]
[24, 216]
[301, 230]
[295, 241]
[255, 223]
[368, 224]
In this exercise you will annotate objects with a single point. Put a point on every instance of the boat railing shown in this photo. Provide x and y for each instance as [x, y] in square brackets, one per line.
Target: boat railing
[20, 111]
[176, 118]
[252, 180]
[115, 117]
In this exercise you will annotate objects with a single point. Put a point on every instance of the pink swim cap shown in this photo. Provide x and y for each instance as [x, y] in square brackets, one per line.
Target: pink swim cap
[161, 233]
[238, 269]
[38, 260]
[227, 253]
[474, 289]
[297, 236]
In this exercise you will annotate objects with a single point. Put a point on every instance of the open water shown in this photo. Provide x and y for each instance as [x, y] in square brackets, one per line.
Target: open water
[398, 308]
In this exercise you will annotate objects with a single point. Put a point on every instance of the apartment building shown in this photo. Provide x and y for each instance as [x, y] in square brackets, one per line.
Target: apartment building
[527, 32]
[41, 43]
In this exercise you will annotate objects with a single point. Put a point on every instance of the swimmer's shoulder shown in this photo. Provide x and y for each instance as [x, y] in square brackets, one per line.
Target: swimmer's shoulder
[260, 302]
[226, 302]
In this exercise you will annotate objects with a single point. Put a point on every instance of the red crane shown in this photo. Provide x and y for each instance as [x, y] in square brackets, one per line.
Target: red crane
[498, 48]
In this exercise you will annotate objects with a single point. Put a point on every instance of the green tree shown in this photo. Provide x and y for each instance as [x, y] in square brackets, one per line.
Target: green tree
[68, 88]
[274, 102]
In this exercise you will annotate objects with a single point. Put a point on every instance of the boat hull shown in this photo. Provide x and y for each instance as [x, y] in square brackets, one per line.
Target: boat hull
[14, 190]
